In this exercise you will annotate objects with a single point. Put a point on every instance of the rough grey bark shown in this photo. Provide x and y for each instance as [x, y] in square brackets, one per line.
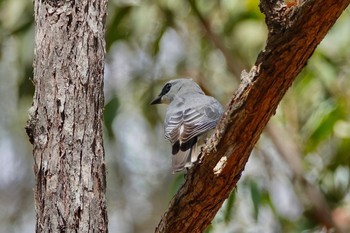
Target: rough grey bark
[294, 33]
[65, 120]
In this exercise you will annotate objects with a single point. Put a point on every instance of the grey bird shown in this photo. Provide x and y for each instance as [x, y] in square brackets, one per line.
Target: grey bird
[189, 115]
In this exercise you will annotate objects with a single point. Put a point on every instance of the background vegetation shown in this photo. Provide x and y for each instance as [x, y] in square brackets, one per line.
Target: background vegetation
[299, 173]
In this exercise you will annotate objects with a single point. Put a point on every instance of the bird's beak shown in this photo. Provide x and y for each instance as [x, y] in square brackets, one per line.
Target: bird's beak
[157, 100]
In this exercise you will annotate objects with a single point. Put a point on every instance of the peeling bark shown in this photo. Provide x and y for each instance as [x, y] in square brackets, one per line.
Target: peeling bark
[294, 33]
[65, 120]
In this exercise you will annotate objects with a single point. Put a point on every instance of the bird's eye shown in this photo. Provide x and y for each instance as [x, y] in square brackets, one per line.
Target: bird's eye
[166, 88]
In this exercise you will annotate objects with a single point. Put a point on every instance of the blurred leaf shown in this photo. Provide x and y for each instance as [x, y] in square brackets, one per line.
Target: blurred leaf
[255, 195]
[26, 86]
[306, 78]
[229, 204]
[320, 125]
[178, 182]
[168, 17]
[116, 30]
[306, 223]
[150, 111]
[342, 155]
[156, 43]
[335, 185]
[110, 112]
[23, 27]
[324, 69]
[209, 229]
[237, 19]
[253, 5]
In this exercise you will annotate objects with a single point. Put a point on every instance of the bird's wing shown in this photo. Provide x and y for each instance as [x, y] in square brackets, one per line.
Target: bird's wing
[185, 124]
[172, 125]
[198, 121]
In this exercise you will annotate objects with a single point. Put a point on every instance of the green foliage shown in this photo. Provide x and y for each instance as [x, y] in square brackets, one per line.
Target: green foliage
[255, 195]
[110, 112]
[229, 207]
[320, 125]
[117, 26]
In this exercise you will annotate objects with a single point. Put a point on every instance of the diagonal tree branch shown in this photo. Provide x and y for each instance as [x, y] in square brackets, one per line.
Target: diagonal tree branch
[320, 210]
[294, 33]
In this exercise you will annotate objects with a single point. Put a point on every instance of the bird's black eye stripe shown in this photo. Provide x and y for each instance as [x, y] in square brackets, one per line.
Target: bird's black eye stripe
[166, 89]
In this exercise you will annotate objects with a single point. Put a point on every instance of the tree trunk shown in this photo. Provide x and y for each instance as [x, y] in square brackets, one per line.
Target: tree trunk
[65, 120]
[294, 33]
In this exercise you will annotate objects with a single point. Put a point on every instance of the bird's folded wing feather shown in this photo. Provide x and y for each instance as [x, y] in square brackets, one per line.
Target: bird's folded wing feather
[184, 125]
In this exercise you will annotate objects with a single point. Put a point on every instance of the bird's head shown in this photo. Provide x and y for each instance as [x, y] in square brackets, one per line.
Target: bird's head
[175, 88]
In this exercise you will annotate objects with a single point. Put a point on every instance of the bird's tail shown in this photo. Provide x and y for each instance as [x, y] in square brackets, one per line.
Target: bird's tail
[185, 158]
